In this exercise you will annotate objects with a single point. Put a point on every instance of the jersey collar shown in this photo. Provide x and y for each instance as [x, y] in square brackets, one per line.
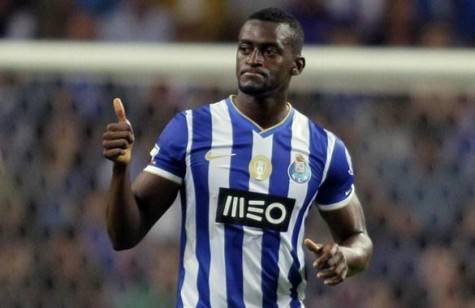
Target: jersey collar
[256, 127]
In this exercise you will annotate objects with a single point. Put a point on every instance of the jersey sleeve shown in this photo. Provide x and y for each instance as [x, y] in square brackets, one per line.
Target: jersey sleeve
[168, 154]
[337, 188]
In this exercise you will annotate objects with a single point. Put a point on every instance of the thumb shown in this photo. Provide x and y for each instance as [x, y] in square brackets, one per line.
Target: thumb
[312, 246]
[119, 110]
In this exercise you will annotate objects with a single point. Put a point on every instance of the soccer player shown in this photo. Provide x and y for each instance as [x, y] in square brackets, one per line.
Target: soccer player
[248, 168]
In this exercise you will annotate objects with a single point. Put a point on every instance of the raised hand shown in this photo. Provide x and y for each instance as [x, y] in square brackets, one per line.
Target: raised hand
[118, 137]
[330, 262]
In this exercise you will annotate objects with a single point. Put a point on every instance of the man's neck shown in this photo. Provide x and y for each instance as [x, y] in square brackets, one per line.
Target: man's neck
[265, 111]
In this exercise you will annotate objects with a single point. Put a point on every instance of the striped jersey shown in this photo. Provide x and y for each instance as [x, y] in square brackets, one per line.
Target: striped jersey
[245, 195]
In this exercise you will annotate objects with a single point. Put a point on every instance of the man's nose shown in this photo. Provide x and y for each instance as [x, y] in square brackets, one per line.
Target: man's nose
[255, 58]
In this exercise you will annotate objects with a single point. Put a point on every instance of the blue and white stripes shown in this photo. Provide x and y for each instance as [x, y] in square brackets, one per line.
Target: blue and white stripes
[232, 265]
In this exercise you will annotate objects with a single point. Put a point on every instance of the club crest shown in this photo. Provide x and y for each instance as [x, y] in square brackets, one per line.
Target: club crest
[299, 170]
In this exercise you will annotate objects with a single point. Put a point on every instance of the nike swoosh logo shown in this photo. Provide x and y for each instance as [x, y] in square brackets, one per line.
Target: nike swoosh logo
[210, 156]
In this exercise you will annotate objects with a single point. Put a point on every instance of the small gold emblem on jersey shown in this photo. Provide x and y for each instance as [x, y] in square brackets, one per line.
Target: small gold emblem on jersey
[299, 171]
[260, 168]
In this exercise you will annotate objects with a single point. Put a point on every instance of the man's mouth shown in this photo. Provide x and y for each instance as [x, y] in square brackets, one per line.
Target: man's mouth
[253, 73]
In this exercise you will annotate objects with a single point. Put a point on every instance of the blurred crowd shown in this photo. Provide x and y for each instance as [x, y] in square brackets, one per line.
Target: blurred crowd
[414, 155]
[414, 160]
[341, 22]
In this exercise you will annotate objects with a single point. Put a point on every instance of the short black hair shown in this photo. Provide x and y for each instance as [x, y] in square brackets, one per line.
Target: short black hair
[280, 16]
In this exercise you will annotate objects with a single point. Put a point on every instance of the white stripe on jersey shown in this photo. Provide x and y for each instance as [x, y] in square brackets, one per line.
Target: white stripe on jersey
[331, 139]
[219, 170]
[189, 292]
[300, 144]
[218, 135]
[163, 173]
[252, 237]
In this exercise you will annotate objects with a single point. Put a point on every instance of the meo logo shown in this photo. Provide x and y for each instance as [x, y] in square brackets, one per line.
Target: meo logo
[254, 209]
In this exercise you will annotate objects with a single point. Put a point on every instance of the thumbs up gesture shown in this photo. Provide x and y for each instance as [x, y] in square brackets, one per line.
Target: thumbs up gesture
[118, 137]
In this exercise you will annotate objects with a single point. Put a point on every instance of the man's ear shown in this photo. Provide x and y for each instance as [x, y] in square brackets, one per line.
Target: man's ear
[299, 64]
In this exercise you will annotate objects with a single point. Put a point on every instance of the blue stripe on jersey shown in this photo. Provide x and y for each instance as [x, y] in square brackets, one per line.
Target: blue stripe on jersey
[238, 179]
[171, 156]
[181, 275]
[339, 179]
[278, 186]
[318, 146]
[201, 143]
[238, 116]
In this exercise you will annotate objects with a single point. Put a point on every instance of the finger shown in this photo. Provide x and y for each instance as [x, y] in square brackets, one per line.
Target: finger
[113, 153]
[119, 110]
[312, 246]
[326, 273]
[328, 252]
[118, 135]
[342, 270]
[322, 261]
[121, 126]
[339, 275]
[335, 259]
[334, 249]
[116, 143]
[333, 281]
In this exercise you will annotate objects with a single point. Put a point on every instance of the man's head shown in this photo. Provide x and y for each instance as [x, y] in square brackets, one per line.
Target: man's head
[269, 52]
[278, 16]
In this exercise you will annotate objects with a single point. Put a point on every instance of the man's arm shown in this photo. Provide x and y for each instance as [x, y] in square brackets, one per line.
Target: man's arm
[132, 209]
[352, 249]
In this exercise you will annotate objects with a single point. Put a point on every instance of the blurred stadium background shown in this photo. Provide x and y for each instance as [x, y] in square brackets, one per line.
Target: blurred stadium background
[413, 143]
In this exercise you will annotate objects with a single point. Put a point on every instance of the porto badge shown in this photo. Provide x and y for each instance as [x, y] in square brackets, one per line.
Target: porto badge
[299, 170]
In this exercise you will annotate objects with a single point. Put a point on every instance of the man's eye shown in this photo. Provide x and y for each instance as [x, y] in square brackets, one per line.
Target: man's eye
[245, 49]
[270, 52]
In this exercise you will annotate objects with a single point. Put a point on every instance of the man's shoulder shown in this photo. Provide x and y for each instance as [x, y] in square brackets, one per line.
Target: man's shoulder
[320, 134]
[200, 113]
[315, 127]
[205, 107]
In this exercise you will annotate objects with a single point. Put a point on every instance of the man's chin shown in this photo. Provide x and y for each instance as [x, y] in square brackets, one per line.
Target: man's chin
[252, 89]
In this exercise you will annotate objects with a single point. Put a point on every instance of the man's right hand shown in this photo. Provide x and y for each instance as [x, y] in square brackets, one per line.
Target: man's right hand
[118, 137]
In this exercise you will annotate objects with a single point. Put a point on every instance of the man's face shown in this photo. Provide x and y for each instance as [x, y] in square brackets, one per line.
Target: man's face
[264, 59]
